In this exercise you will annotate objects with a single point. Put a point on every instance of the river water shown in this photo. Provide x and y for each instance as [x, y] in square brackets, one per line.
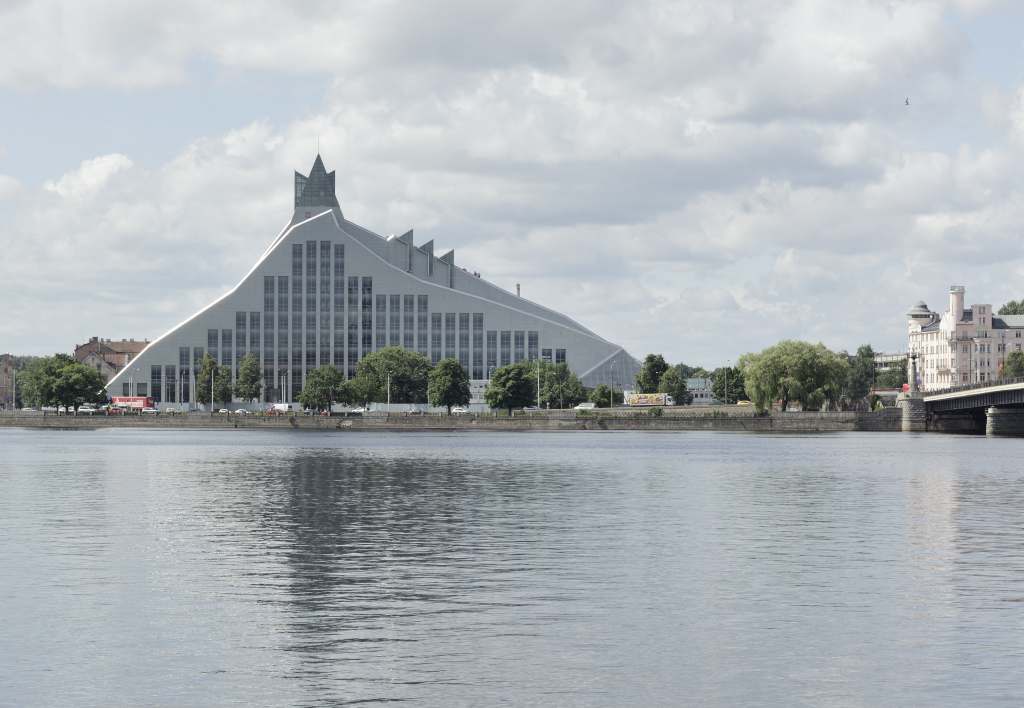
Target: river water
[173, 568]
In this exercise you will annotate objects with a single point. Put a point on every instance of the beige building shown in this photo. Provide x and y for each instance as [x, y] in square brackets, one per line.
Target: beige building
[108, 356]
[961, 345]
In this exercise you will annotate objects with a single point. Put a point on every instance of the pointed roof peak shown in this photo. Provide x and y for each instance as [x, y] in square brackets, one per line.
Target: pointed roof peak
[317, 188]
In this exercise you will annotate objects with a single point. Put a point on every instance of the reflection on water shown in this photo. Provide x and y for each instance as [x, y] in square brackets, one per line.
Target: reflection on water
[281, 568]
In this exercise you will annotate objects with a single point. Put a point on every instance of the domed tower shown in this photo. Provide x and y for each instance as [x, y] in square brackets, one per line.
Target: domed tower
[920, 316]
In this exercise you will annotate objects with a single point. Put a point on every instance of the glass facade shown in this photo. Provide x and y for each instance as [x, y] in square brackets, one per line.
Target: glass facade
[449, 335]
[519, 352]
[506, 347]
[478, 345]
[492, 352]
[367, 319]
[395, 320]
[435, 337]
[531, 345]
[408, 315]
[381, 325]
[422, 313]
[156, 381]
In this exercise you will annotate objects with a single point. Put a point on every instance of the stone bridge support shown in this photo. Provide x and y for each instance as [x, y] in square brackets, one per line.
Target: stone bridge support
[1004, 421]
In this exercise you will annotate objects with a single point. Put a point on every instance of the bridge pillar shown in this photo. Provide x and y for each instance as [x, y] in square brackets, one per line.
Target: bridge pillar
[1004, 421]
[915, 414]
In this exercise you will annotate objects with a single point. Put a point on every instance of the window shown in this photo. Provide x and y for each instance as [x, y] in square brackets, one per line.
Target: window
[296, 260]
[506, 347]
[395, 320]
[492, 353]
[381, 325]
[519, 340]
[325, 259]
[408, 303]
[478, 345]
[227, 346]
[545, 355]
[559, 356]
[296, 295]
[367, 285]
[422, 309]
[339, 260]
[171, 383]
[435, 337]
[531, 340]
[155, 381]
[212, 339]
[464, 340]
[268, 293]
[254, 333]
[310, 259]
[449, 334]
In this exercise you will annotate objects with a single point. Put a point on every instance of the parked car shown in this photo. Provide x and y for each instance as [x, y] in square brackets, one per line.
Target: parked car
[224, 411]
[86, 410]
[241, 411]
[585, 406]
[150, 411]
[360, 410]
[459, 410]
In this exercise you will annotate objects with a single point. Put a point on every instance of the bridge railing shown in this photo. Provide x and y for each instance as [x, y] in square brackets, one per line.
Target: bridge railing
[976, 385]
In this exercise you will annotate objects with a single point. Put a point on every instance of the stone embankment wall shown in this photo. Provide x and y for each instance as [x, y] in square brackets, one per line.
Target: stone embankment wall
[696, 419]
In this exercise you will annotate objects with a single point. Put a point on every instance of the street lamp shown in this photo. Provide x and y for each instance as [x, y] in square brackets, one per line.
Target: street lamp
[282, 383]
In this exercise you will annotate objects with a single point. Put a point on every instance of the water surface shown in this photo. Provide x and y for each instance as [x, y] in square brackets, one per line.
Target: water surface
[172, 568]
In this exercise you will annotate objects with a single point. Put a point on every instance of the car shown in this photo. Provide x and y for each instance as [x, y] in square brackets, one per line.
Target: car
[459, 410]
[415, 412]
[744, 403]
[86, 410]
[150, 411]
[241, 411]
[224, 411]
[360, 410]
[585, 406]
[531, 409]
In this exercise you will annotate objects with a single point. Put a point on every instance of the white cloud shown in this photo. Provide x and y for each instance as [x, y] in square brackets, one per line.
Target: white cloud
[90, 177]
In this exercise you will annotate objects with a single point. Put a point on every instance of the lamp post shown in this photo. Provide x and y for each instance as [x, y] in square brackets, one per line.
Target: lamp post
[727, 362]
[282, 384]
[389, 392]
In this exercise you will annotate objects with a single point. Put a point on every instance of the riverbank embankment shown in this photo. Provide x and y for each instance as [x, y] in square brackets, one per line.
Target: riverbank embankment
[686, 419]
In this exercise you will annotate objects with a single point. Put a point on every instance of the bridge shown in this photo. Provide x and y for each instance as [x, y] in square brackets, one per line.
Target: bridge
[995, 407]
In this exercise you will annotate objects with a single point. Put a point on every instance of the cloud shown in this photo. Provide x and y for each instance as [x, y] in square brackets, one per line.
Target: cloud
[694, 178]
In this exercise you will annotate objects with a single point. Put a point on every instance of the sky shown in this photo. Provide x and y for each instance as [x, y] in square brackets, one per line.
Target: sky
[698, 178]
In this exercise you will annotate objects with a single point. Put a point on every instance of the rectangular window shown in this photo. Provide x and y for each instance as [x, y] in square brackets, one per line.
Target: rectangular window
[197, 357]
[156, 382]
[297, 295]
[311, 321]
[295, 382]
[464, 340]
[282, 350]
[339, 260]
[408, 321]
[282, 293]
[325, 347]
[492, 352]
[226, 346]
[254, 333]
[310, 350]
[325, 259]
[240, 336]
[310, 259]
[435, 337]
[339, 296]
[353, 294]
[170, 384]
[449, 335]
[268, 293]
[382, 321]
[506, 347]
[140, 389]
[296, 260]
[559, 356]
[531, 346]
[478, 345]
[422, 314]
[519, 340]
[212, 346]
[545, 355]
[395, 320]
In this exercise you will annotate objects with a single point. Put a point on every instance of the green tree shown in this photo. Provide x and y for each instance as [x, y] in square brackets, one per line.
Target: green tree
[692, 372]
[727, 384]
[249, 381]
[861, 374]
[602, 396]
[408, 371]
[511, 386]
[674, 384]
[324, 386]
[793, 371]
[448, 384]
[559, 386]
[1013, 307]
[363, 390]
[204, 380]
[38, 382]
[894, 377]
[77, 384]
[222, 390]
[1013, 367]
[651, 371]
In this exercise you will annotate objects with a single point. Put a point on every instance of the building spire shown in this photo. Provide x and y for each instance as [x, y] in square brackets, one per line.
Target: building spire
[317, 188]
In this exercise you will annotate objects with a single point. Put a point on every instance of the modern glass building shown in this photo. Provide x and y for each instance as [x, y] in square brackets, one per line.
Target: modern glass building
[328, 291]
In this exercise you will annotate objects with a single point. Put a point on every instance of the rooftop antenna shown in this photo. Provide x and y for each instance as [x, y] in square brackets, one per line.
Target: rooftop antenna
[318, 145]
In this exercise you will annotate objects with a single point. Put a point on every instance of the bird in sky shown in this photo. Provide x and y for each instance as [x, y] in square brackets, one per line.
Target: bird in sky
[907, 100]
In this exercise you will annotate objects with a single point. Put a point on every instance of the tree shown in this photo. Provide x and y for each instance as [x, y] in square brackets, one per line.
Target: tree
[204, 380]
[602, 396]
[674, 384]
[1013, 367]
[77, 384]
[362, 390]
[793, 371]
[222, 390]
[38, 382]
[861, 374]
[324, 386]
[249, 382]
[448, 384]
[1013, 307]
[731, 377]
[692, 372]
[891, 378]
[559, 386]
[511, 386]
[408, 372]
[651, 371]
